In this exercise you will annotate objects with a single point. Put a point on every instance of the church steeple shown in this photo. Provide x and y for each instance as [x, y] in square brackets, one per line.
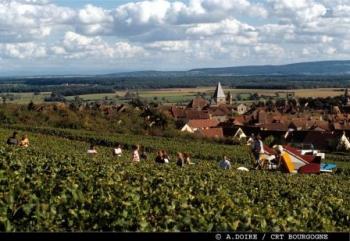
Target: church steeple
[219, 96]
[229, 98]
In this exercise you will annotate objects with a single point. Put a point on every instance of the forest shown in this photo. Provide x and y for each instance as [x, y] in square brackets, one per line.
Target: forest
[78, 85]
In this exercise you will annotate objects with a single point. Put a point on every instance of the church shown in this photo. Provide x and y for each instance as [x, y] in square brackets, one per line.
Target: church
[219, 97]
[218, 108]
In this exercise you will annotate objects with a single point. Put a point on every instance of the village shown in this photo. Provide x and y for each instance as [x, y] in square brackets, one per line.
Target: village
[289, 123]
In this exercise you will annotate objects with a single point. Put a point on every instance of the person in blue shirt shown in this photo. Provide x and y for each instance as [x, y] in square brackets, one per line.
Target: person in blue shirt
[225, 163]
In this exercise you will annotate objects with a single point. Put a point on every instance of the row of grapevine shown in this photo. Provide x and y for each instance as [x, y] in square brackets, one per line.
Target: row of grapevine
[197, 148]
[54, 186]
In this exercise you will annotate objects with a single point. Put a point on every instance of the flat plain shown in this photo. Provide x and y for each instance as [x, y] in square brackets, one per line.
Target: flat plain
[180, 95]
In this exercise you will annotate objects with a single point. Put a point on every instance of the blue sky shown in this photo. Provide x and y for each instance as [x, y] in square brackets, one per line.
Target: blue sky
[91, 36]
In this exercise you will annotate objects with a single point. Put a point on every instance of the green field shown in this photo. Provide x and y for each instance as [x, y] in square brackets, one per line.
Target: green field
[54, 186]
[25, 98]
[178, 95]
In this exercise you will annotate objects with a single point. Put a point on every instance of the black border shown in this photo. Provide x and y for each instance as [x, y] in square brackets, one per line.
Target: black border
[140, 236]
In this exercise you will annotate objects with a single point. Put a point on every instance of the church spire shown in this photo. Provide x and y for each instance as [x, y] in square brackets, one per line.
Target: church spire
[219, 96]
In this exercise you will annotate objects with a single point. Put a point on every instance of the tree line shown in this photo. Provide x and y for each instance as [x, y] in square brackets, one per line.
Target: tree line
[70, 86]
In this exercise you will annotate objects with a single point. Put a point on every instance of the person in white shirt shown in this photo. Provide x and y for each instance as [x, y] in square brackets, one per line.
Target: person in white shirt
[92, 151]
[187, 157]
[135, 154]
[262, 150]
[225, 163]
[258, 149]
[117, 151]
[165, 157]
[251, 141]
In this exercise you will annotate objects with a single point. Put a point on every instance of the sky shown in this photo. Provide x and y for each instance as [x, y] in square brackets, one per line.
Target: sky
[40, 37]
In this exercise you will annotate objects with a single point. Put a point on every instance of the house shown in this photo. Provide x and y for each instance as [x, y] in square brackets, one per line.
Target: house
[300, 124]
[239, 120]
[320, 125]
[281, 127]
[344, 143]
[179, 113]
[196, 114]
[239, 134]
[323, 140]
[219, 113]
[216, 132]
[198, 103]
[199, 124]
[242, 109]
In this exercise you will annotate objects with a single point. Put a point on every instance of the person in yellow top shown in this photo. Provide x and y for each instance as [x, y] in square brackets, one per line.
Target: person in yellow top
[24, 141]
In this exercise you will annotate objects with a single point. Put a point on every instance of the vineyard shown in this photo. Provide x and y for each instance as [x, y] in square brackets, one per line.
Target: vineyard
[54, 186]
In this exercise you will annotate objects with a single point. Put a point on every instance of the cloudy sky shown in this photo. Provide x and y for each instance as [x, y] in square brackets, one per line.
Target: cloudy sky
[95, 36]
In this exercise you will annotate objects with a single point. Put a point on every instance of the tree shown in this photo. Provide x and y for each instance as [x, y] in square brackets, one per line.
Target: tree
[31, 106]
[137, 102]
[77, 100]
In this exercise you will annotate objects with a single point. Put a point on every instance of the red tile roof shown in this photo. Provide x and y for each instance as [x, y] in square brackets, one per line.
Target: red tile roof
[196, 114]
[207, 123]
[341, 126]
[217, 112]
[177, 112]
[301, 123]
[239, 120]
[189, 114]
[274, 127]
[212, 133]
[198, 103]
[321, 125]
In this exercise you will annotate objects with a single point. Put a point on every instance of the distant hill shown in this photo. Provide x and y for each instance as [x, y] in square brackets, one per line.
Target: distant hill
[307, 68]
[153, 73]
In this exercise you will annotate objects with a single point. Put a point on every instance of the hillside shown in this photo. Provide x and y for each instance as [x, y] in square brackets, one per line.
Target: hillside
[327, 74]
[305, 68]
[53, 185]
[308, 68]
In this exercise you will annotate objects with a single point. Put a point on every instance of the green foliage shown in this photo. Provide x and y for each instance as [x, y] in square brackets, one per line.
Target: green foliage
[199, 148]
[6, 118]
[269, 140]
[54, 186]
[89, 117]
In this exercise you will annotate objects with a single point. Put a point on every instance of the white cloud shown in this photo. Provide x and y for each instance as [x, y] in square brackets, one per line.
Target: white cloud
[227, 26]
[78, 46]
[242, 6]
[137, 18]
[170, 46]
[25, 20]
[275, 33]
[298, 11]
[92, 15]
[22, 50]
[271, 50]
[341, 11]
[175, 32]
